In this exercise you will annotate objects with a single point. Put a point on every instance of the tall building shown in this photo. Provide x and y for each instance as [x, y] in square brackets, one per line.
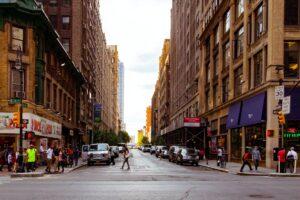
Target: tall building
[115, 86]
[148, 123]
[51, 82]
[154, 111]
[79, 26]
[121, 94]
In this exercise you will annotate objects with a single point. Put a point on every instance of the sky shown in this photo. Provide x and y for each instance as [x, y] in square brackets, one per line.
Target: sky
[139, 28]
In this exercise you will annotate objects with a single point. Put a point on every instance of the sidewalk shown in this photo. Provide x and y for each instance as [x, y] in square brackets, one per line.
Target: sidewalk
[40, 171]
[234, 168]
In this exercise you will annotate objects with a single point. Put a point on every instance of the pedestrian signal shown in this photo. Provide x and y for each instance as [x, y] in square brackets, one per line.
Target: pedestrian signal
[281, 118]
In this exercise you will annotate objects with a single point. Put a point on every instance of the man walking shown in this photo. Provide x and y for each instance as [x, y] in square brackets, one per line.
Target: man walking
[126, 158]
[292, 157]
[49, 159]
[246, 158]
[281, 158]
[256, 157]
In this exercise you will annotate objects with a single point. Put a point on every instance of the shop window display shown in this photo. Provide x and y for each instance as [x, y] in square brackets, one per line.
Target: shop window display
[256, 136]
[236, 144]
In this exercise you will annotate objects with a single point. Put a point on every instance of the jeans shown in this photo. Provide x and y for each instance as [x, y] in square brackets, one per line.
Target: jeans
[245, 162]
[30, 166]
[62, 165]
[290, 165]
[282, 167]
[256, 163]
[126, 161]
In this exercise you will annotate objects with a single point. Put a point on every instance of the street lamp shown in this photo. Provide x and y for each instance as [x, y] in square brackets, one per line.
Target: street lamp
[18, 66]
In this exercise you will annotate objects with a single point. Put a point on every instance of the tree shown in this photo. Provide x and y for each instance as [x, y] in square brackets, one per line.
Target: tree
[123, 137]
[106, 137]
[158, 140]
[145, 140]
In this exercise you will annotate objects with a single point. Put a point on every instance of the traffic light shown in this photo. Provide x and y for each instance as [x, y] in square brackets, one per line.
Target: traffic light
[281, 118]
[29, 135]
[16, 118]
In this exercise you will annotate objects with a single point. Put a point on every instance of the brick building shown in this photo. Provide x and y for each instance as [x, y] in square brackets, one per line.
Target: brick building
[51, 80]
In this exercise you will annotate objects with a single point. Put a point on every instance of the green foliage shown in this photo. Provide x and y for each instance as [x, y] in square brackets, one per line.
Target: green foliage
[123, 137]
[106, 137]
[145, 140]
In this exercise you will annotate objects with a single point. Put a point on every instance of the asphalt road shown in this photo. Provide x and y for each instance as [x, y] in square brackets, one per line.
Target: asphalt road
[149, 178]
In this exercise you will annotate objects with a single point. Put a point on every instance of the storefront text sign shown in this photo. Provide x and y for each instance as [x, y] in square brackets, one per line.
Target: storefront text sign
[40, 125]
[292, 133]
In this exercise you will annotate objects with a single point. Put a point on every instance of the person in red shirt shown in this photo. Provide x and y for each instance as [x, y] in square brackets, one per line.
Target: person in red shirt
[246, 158]
[281, 158]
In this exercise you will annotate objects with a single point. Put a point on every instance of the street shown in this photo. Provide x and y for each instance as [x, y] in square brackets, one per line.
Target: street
[149, 178]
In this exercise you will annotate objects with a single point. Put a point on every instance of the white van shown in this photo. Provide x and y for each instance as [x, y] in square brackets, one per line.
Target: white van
[99, 153]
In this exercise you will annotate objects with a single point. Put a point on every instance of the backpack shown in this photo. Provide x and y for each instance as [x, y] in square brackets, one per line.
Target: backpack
[290, 157]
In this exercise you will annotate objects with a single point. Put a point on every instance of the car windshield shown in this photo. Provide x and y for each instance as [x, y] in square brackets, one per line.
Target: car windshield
[147, 146]
[164, 148]
[191, 151]
[98, 147]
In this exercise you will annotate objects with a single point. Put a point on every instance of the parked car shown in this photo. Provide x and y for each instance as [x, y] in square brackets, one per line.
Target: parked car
[115, 151]
[146, 148]
[162, 151]
[99, 153]
[173, 152]
[188, 156]
[84, 152]
[153, 150]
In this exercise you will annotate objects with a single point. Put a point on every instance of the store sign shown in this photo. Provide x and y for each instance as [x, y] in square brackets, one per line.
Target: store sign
[292, 133]
[191, 122]
[39, 125]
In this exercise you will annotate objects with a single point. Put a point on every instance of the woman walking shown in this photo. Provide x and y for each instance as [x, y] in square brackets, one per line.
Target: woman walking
[126, 158]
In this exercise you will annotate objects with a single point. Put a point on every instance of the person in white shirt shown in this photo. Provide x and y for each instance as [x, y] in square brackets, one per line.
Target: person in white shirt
[49, 159]
[219, 156]
[291, 158]
[42, 154]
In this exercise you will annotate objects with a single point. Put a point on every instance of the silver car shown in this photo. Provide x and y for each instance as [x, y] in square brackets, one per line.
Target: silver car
[99, 153]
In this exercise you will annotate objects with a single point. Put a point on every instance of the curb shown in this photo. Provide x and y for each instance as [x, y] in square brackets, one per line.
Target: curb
[270, 174]
[30, 175]
[78, 167]
[214, 168]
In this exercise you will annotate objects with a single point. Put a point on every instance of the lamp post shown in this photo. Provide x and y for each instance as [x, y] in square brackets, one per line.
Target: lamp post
[19, 66]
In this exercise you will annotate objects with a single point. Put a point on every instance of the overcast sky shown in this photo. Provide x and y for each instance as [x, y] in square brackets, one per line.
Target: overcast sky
[139, 28]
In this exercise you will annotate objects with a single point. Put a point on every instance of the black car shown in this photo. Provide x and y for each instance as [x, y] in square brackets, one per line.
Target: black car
[158, 150]
[188, 156]
[164, 152]
[173, 153]
[153, 150]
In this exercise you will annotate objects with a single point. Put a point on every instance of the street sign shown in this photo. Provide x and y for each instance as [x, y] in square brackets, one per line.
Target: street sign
[286, 105]
[279, 92]
[14, 101]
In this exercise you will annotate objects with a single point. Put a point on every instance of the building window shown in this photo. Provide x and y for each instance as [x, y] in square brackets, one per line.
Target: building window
[53, 3]
[291, 59]
[48, 93]
[66, 44]
[226, 55]
[215, 95]
[239, 45]
[227, 21]
[216, 36]
[15, 82]
[258, 69]
[238, 81]
[223, 129]
[54, 97]
[208, 72]
[207, 48]
[259, 22]
[17, 38]
[214, 127]
[66, 22]
[66, 2]
[216, 64]
[292, 10]
[240, 8]
[207, 100]
[53, 19]
[225, 89]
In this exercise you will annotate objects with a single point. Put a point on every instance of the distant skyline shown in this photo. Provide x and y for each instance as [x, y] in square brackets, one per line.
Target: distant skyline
[139, 28]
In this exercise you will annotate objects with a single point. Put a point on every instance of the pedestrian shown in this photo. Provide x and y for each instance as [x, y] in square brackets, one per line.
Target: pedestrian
[126, 158]
[42, 155]
[291, 158]
[245, 159]
[219, 156]
[61, 160]
[10, 160]
[112, 156]
[56, 154]
[50, 157]
[76, 156]
[281, 159]
[31, 158]
[256, 157]
[207, 154]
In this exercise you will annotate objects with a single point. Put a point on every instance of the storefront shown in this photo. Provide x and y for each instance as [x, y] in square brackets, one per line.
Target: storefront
[236, 144]
[45, 131]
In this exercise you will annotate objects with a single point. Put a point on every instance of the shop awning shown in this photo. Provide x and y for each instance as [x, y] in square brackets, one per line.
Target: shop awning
[295, 104]
[253, 111]
[233, 116]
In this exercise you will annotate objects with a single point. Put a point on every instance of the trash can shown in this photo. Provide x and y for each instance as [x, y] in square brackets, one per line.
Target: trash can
[275, 154]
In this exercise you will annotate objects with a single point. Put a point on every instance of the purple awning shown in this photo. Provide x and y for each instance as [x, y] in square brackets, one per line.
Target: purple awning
[253, 111]
[233, 116]
[295, 103]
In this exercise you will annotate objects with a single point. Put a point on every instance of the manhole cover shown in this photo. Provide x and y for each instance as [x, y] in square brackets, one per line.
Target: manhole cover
[261, 196]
